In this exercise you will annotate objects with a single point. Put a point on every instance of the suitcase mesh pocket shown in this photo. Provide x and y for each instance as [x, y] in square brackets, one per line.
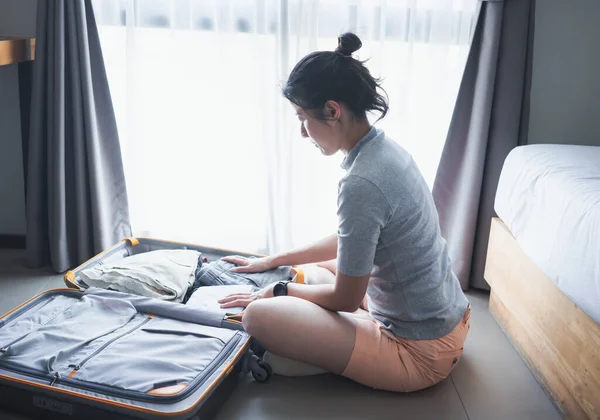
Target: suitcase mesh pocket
[46, 347]
[162, 352]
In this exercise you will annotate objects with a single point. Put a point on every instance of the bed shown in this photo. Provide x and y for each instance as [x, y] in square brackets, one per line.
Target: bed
[543, 268]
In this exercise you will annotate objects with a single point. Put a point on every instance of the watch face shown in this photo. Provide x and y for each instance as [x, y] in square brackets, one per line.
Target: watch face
[279, 289]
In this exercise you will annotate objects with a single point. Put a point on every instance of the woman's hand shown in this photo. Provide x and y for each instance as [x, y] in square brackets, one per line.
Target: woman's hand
[249, 265]
[244, 299]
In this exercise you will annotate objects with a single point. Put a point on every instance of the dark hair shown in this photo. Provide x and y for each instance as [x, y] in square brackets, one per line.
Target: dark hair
[335, 75]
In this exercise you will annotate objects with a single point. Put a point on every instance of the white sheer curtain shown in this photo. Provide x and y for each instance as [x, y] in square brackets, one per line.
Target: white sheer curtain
[213, 153]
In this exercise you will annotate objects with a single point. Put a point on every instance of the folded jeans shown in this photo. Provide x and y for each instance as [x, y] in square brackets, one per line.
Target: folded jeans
[218, 273]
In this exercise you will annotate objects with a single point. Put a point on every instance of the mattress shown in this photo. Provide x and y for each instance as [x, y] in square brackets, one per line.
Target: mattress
[549, 198]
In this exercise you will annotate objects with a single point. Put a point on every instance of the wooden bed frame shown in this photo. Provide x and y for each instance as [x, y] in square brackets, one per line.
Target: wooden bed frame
[559, 343]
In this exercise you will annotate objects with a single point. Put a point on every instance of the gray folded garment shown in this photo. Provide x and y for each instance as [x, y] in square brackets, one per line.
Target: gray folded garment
[218, 273]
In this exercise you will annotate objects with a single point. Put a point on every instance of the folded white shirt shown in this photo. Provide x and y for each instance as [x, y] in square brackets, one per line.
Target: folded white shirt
[163, 274]
[207, 297]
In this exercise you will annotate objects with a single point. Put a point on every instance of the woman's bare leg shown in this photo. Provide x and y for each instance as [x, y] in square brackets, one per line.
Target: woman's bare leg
[300, 330]
[316, 274]
[289, 365]
[324, 273]
[330, 265]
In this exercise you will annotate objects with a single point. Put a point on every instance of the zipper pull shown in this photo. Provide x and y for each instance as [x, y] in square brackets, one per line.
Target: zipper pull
[74, 371]
[3, 350]
[56, 378]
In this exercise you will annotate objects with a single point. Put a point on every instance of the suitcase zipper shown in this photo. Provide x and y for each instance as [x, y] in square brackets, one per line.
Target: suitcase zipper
[55, 378]
[52, 377]
[5, 348]
[50, 295]
[206, 373]
[134, 395]
[142, 396]
[98, 351]
[31, 305]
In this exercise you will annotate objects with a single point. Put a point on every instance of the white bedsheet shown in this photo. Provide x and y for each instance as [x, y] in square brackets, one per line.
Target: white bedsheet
[549, 198]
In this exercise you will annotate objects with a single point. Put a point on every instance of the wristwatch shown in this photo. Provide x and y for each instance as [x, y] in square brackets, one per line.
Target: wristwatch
[280, 289]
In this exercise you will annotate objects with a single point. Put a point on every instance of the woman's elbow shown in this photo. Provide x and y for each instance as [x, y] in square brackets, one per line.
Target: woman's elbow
[346, 302]
[347, 306]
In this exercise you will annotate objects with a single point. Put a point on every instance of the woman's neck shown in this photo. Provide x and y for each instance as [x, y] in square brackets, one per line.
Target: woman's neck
[356, 132]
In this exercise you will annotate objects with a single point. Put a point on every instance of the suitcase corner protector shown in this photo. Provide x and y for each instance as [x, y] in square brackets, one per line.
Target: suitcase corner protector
[70, 277]
[133, 241]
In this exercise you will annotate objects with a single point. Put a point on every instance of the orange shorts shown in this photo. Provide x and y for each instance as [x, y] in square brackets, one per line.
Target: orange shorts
[383, 361]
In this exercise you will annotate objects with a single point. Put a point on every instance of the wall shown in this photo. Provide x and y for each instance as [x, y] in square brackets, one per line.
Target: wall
[17, 19]
[12, 211]
[565, 87]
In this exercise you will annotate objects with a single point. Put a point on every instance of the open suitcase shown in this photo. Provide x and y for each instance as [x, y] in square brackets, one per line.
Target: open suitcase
[90, 353]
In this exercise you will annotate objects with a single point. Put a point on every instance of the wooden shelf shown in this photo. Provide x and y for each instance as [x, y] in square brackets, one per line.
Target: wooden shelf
[16, 50]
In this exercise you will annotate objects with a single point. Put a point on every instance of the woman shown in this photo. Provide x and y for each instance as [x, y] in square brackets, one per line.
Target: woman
[388, 248]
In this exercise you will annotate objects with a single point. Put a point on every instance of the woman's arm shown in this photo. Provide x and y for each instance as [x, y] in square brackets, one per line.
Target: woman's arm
[345, 295]
[323, 250]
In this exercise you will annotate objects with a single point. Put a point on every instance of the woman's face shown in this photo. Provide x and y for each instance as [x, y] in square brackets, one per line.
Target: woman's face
[321, 133]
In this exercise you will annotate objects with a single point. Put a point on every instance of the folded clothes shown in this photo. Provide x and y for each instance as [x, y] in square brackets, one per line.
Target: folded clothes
[207, 298]
[218, 273]
[166, 274]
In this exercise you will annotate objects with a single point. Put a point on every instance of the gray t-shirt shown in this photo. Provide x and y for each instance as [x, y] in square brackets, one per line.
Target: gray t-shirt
[388, 226]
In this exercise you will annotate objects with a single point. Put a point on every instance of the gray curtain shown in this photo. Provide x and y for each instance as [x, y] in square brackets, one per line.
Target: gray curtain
[490, 119]
[76, 194]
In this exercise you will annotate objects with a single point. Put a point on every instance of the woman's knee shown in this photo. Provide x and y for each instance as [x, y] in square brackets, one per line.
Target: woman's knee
[259, 314]
[317, 274]
[254, 314]
[330, 266]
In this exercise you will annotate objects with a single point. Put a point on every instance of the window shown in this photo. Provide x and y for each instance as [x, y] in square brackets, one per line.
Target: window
[212, 151]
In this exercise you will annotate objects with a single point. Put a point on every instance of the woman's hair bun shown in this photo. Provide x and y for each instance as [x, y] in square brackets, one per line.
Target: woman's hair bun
[347, 44]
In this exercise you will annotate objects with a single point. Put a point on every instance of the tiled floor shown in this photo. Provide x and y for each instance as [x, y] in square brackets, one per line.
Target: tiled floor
[490, 382]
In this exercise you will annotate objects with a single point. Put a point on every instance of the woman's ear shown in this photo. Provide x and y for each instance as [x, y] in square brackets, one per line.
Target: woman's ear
[333, 110]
